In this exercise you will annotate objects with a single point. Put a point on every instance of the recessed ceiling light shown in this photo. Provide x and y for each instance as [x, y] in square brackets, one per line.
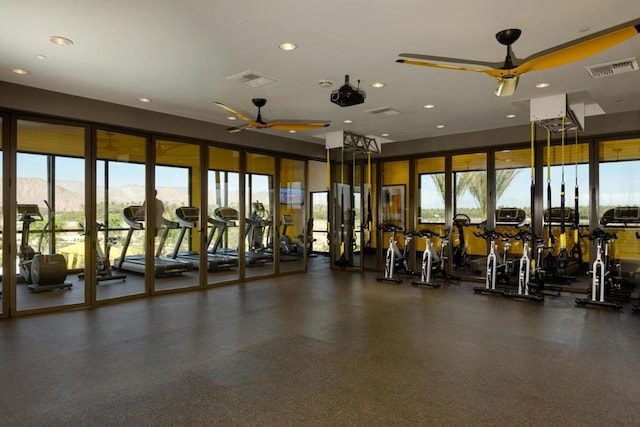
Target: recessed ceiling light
[144, 99]
[325, 83]
[231, 118]
[292, 131]
[288, 46]
[348, 121]
[440, 126]
[511, 116]
[377, 84]
[429, 106]
[41, 57]
[384, 134]
[20, 71]
[542, 85]
[60, 41]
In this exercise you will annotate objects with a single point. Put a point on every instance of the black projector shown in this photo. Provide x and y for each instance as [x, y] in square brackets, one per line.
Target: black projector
[347, 95]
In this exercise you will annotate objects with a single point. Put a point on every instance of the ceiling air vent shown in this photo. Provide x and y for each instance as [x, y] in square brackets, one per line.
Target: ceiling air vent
[383, 111]
[252, 78]
[612, 68]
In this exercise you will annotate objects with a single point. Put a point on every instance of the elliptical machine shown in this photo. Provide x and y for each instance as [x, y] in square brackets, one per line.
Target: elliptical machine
[393, 256]
[42, 272]
[601, 280]
[103, 261]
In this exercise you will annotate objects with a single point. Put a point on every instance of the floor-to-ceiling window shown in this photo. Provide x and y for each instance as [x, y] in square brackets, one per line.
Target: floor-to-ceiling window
[294, 236]
[223, 222]
[470, 193]
[619, 204]
[120, 194]
[177, 242]
[50, 194]
[260, 209]
[430, 204]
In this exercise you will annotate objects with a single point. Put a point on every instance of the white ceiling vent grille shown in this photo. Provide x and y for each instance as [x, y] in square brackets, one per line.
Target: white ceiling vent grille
[612, 68]
[383, 111]
[252, 78]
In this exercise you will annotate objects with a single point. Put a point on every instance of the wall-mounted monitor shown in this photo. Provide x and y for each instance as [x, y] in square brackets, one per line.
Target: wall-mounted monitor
[292, 196]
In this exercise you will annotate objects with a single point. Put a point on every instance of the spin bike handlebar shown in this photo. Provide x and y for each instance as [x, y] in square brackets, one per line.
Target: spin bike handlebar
[428, 233]
[599, 233]
[488, 234]
[391, 228]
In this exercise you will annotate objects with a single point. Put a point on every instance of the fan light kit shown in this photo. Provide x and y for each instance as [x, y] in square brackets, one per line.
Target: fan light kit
[508, 72]
[258, 123]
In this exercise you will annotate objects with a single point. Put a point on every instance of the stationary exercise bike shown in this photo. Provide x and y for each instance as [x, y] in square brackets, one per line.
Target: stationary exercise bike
[103, 264]
[493, 265]
[538, 284]
[393, 257]
[601, 278]
[433, 263]
[524, 270]
[459, 255]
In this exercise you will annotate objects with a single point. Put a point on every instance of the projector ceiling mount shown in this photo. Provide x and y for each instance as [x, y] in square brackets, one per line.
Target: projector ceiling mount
[508, 72]
[347, 95]
[258, 123]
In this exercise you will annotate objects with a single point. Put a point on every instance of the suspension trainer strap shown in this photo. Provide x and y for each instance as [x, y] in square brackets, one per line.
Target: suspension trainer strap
[550, 232]
[563, 236]
[533, 177]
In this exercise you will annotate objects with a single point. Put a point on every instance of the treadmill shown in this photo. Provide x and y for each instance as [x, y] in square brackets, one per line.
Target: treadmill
[188, 217]
[136, 263]
[226, 217]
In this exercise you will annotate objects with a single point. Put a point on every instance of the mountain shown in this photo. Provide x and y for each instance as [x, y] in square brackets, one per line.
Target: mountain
[70, 195]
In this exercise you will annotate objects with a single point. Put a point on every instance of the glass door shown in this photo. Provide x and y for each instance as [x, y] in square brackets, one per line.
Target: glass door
[177, 249]
[295, 233]
[259, 232]
[50, 195]
[120, 194]
[223, 231]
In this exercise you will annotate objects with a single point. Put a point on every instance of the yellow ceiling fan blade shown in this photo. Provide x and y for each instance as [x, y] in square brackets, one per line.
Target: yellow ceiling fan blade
[445, 66]
[440, 59]
[233, 111]
[295, 126]
[579, 49]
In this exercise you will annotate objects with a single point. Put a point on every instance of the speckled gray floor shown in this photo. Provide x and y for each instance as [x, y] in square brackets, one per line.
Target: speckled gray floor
[326, 348]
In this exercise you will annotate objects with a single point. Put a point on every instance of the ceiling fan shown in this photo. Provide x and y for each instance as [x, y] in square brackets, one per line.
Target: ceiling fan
[258, 123]
[508, 72]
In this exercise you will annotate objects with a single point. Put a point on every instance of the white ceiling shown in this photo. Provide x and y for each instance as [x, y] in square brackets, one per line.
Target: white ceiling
[180, 53]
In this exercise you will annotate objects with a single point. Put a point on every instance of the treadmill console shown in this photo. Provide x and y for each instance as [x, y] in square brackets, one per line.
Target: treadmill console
[554, 215]
[227, 214]
[188, 216]
[510, 216]
[287, 220]
[134, 216]
[622, 215]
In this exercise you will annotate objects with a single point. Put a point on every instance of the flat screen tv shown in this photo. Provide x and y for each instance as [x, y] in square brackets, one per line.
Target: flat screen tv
[291, 196]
